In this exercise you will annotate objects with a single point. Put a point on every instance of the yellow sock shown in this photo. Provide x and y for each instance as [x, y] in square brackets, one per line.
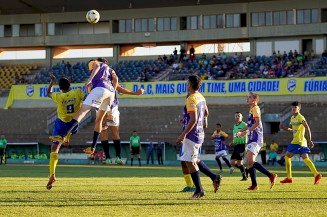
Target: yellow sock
[53, 162]
[312, 167]
[288, 164]
[188, 180]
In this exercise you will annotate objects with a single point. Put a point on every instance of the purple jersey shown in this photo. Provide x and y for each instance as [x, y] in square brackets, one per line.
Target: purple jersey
[195, 103]
[257, 134]
[103, 78]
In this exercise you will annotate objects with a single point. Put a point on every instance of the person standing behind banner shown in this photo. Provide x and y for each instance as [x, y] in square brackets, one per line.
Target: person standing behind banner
[3, 144]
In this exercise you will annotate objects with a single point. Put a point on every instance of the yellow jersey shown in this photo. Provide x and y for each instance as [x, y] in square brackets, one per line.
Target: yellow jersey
[274, 147]
[68, 103]
[298, 130]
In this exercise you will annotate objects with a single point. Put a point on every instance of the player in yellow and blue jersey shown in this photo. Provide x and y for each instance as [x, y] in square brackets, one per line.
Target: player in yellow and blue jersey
[219, 138]
[300, 144]
[192, 137]
[68, 103]
[254, 131]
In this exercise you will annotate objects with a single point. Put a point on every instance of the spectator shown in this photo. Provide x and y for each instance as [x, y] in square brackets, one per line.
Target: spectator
[175, 54]
[273, 146]
[160, 59]
[272, 158]
[263, 153]
[3, 144]
[160, 148]
[149, 153]
[192, 53]
[164, 58]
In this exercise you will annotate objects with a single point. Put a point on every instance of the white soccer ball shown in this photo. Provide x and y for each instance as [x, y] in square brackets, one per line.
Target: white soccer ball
[92, 16]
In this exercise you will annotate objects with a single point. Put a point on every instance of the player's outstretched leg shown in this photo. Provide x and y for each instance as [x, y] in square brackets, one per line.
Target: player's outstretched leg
[216, 179]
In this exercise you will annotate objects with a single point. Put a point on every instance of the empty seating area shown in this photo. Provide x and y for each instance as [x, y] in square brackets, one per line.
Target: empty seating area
[14, 74]
[138, 70]
[77, 73]
[320, 68]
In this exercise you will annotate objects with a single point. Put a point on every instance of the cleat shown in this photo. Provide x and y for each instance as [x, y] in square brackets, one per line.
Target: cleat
[287, 180]
[52, 180]
[244, 179]
[253, 188]
[118, 161]
[272, 180]
[66, 139]
[198, 195]
[108, 161]
[188, 189]
[231, 170]
[317, 179]
[216, 183]
[89, 150]
[58, 138]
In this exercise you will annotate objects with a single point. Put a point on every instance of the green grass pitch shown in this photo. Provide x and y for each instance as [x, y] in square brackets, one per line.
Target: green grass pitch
[152, 191]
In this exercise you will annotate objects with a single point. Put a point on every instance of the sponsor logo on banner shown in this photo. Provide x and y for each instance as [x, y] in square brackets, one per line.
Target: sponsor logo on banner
[291, 85]
[29, 90]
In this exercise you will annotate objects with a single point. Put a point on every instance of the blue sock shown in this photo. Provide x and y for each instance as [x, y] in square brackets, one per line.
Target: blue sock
[197, 182]
[95, 139]
[253, 176]
[262, 169]
[205, 170]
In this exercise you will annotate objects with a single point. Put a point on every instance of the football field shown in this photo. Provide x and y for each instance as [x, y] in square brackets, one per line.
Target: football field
[152, 191]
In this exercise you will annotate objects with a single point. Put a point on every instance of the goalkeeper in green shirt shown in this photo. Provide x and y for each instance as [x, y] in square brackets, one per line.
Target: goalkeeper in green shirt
[239, 145]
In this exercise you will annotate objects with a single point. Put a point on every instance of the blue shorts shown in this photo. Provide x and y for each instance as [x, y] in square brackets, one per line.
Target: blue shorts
[297, 149]
[61, 128]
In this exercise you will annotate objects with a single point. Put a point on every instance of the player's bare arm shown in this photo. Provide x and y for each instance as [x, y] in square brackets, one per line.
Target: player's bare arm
[308, 134]
[50, 88]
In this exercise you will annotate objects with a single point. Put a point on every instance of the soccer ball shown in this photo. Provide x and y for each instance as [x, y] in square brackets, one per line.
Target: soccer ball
[92, 16]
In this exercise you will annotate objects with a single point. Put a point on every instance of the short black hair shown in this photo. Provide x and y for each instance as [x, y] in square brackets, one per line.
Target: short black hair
[195, 81]
[134, 131]
[296, 103]
[64, 84]
[103, 60]
[218, 124]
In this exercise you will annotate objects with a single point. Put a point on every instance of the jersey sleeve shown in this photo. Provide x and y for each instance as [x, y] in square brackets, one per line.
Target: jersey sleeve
[256, 112]
[55, 97]
[191, 104]
[301, 119]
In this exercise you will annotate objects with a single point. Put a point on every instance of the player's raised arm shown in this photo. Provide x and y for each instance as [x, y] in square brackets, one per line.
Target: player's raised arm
[128, 92]
[283, 127]
[114, 79]
[50, 88]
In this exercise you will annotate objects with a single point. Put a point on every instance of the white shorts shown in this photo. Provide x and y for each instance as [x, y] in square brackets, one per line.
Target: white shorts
[100, 98]
[253, 147]
[221, 153]
[190, 151]
[115, 117]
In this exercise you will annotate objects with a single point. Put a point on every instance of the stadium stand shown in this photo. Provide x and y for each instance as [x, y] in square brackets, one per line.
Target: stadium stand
[237, 66]
[15, 74]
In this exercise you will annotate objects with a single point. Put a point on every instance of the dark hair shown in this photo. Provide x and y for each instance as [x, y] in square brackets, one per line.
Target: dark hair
[103, 60]
[64, 84]
[91, 61]
[218, 124]
[296, 103]
[195, 81]
[238, 113]
[134, 131]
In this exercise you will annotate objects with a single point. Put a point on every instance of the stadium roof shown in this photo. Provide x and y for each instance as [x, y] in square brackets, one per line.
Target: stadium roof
[57, 6]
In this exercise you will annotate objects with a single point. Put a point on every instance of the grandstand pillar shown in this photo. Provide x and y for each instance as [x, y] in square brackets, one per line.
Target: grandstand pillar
[49, 56]
[253, 47]
[116, 53]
